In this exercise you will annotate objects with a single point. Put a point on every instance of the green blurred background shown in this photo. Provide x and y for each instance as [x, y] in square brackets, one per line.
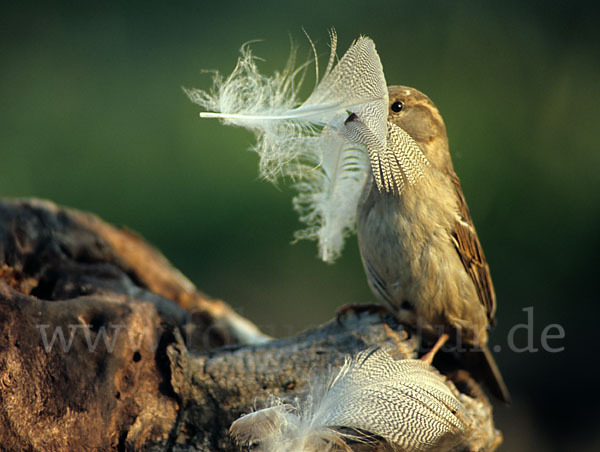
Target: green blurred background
[93, 117]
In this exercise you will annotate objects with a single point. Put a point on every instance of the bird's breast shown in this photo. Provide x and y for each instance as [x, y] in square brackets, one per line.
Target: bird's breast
[409, 256]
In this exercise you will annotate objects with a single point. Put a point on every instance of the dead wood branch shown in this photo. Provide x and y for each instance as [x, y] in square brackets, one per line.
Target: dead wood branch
[145, 360]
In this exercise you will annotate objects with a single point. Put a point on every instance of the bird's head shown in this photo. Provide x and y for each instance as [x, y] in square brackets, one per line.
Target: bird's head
[417, 115]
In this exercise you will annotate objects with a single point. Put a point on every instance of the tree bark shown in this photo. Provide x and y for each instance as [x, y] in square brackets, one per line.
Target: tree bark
[105, 346]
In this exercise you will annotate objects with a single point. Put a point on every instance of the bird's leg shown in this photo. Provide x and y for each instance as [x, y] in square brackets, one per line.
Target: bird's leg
[428, 357]
[358, 309]
[465, 383]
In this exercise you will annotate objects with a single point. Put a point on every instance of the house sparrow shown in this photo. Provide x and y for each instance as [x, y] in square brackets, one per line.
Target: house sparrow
[419, 247]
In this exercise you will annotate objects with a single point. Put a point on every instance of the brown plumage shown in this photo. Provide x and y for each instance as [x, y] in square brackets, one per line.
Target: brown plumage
[419, 247]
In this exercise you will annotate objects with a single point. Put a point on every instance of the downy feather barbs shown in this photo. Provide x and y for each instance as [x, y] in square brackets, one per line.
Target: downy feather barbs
[329, 192]
[373, 397]
[284, 126]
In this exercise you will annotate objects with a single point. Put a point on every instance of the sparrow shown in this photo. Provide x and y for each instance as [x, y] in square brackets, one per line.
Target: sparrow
[420, 250]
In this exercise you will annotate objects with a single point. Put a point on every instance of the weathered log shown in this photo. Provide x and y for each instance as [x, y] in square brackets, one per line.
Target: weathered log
[105, 346]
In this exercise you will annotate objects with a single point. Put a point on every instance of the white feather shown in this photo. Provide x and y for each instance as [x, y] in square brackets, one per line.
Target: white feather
[310, 141]
[405, 402]
[329, 192]
[262, 104]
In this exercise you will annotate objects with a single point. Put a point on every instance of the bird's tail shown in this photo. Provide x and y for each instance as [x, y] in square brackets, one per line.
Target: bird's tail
[484, 368]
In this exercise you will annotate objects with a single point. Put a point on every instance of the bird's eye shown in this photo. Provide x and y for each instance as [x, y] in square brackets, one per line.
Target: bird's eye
[397, 106]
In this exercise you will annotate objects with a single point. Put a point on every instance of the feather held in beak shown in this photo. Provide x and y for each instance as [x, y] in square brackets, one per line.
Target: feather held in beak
[284, 126]
[314, 142]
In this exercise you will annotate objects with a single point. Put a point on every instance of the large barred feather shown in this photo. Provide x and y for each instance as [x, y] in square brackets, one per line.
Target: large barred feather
[404, 402]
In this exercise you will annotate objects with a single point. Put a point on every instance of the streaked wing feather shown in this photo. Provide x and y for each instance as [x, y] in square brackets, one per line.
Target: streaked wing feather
[471, 253]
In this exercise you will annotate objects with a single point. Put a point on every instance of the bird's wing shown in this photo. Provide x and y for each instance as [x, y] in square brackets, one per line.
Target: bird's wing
[471, 254]
[378, 285]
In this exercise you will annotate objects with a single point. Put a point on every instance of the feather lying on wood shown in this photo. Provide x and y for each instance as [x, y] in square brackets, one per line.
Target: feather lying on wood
[373, 397]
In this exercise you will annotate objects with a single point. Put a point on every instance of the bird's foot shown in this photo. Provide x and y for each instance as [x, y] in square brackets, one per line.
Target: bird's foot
[428, 357]
[358, 309]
